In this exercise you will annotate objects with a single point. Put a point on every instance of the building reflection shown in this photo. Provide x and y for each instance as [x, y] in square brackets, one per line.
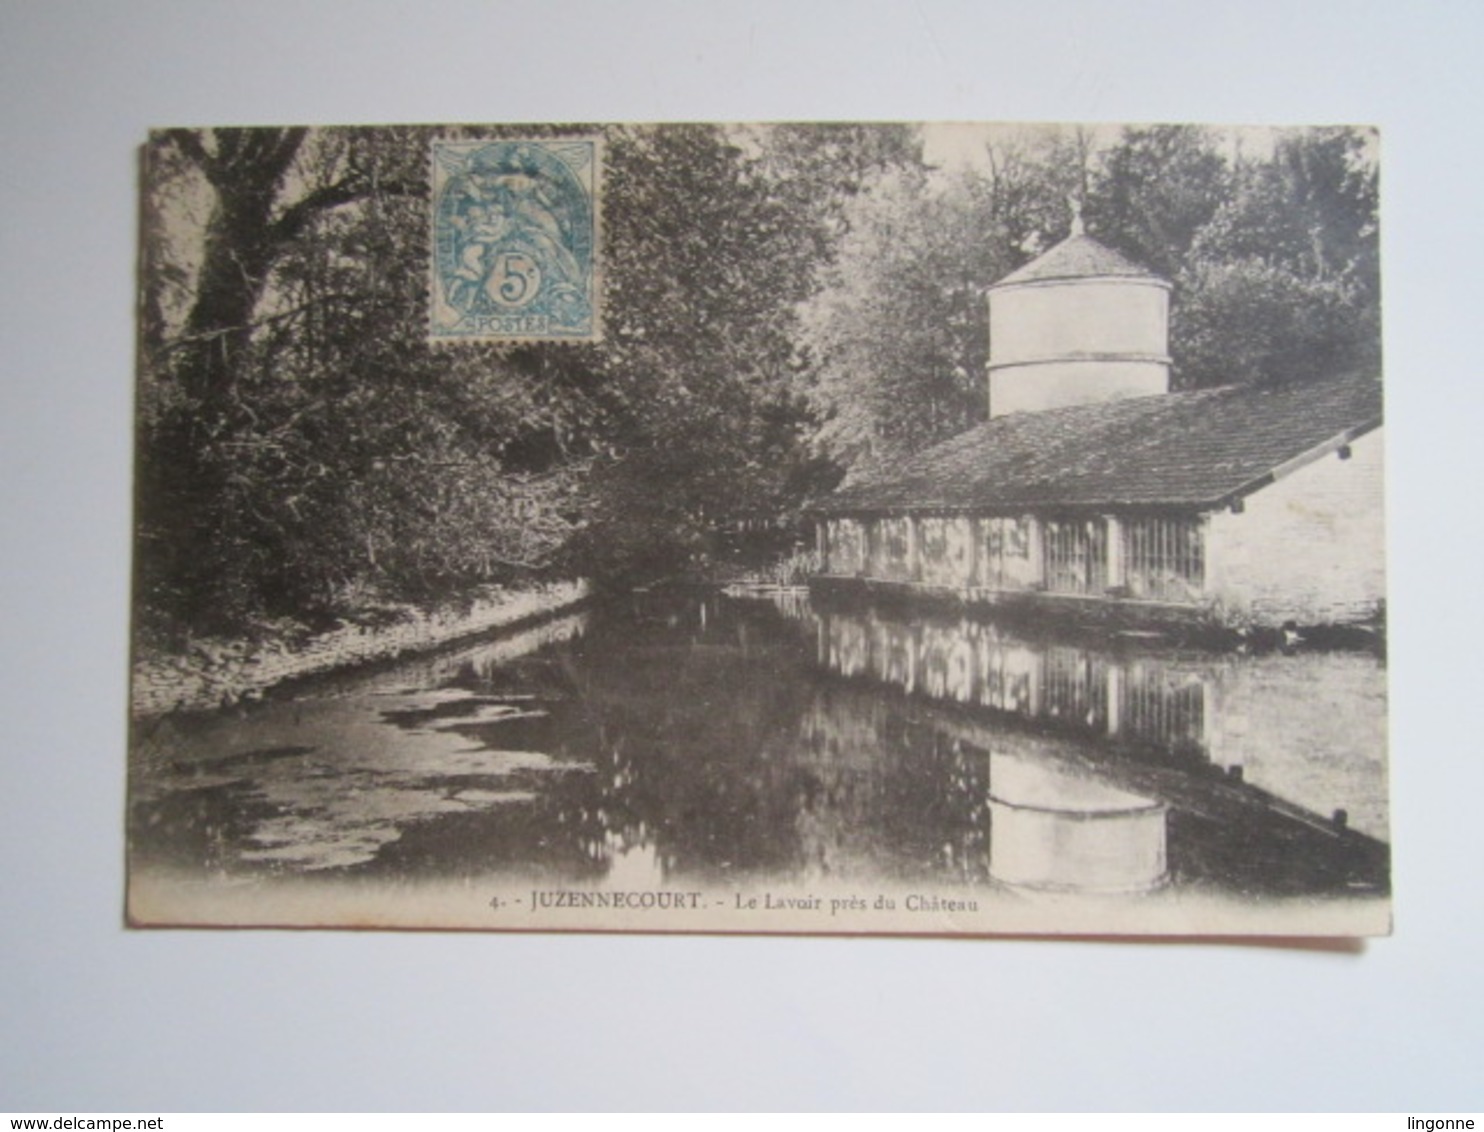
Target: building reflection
[1309, 728]
[1141, 699]
[1267, 770]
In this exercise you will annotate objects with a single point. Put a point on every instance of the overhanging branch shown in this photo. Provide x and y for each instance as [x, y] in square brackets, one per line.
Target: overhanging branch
[298, 216]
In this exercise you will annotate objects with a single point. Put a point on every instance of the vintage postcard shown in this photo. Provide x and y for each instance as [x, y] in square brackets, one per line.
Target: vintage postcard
[876, 528]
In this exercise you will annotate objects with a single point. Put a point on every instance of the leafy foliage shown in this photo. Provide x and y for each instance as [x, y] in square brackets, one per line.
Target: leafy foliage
[300, 442]
[707, 256]
[1155, 190]
[1248, 320]
[1283, 281]
[899, 332]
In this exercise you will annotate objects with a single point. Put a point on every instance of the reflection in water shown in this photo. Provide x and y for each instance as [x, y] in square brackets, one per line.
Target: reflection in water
[1055, 828]
[976, 662]
[723, 741]
[1309, 727]
[326, 780]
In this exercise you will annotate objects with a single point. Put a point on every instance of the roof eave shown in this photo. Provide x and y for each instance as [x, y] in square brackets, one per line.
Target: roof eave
[1010, 283]
[1303, 460]
[1007, 507]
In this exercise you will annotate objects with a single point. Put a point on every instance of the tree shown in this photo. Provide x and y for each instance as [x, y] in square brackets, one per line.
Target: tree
[1255, 322]
[817, 169]
[1311, 207]
[783, 303]
[898, 332]
[1157, 187]
[1033, 178]
[706, 261]
[301, 445]
[1282, 283]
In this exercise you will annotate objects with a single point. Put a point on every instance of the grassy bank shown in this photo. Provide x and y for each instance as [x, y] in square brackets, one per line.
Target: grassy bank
[216, 672]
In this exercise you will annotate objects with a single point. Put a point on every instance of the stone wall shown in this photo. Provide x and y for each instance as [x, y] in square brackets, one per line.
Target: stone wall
[215, 673]
[1310, 548]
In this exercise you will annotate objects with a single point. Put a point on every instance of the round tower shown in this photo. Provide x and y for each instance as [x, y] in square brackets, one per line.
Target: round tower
[1080, 324]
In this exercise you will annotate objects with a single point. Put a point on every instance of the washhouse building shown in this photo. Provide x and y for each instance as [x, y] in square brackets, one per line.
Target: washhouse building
[1093, 486]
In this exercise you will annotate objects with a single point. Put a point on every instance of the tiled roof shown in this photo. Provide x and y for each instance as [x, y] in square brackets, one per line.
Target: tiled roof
[1077, 257]
[1196, 449]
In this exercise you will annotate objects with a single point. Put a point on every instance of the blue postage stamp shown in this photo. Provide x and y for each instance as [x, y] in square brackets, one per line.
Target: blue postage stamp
[515, 240]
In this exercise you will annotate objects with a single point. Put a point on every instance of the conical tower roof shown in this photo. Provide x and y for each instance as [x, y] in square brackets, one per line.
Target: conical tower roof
[1079, 256]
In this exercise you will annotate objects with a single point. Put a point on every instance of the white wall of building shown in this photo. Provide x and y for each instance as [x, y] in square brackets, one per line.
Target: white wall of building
[1310, 548]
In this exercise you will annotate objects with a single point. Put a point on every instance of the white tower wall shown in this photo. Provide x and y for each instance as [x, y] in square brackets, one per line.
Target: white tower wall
[1075, 341]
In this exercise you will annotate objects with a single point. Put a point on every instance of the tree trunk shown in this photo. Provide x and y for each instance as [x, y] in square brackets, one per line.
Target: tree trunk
[246, 171]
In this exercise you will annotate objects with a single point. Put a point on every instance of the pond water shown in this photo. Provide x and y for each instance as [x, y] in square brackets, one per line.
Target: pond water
[685, 737]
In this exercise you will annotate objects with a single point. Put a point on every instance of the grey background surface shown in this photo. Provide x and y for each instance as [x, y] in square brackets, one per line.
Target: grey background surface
[94, 1017]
